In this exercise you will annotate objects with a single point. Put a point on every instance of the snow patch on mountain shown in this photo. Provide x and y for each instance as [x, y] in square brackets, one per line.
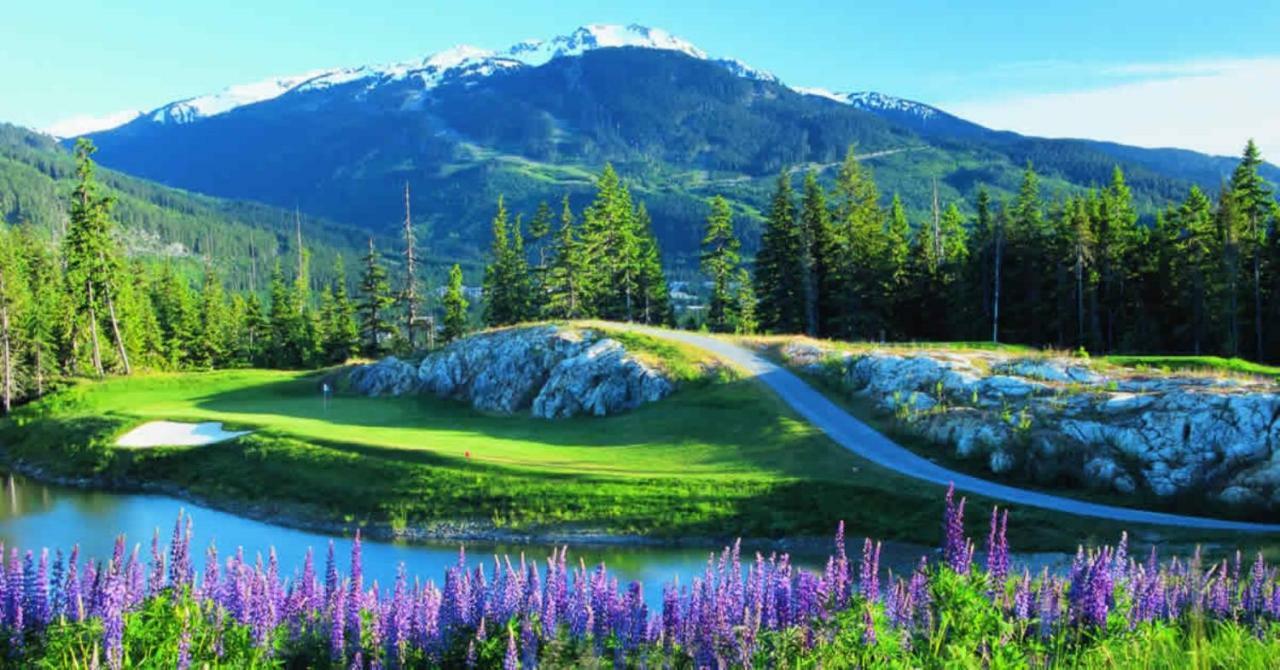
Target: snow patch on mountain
[745, 71]
[822, 93]
[460, 62]
[601, 36]
[231, 97]
[873, 102]
[83, 125]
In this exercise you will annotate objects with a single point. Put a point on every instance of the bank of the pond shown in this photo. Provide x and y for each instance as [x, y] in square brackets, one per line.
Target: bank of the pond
[35, 514]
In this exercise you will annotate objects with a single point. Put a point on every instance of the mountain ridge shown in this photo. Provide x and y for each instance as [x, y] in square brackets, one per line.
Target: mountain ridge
[466, 125]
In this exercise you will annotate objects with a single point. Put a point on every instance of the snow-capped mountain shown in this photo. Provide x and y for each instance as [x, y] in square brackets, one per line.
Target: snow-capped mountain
[460, 62]
[870, 101]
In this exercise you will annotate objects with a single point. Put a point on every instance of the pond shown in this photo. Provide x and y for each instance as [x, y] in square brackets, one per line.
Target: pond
[34, 515]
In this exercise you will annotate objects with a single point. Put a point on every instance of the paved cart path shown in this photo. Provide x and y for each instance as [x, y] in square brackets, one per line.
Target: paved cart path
[864, 441]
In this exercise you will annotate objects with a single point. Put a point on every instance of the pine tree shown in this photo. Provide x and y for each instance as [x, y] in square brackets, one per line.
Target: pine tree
[177, 315]
[214, 339]
[780, 265]
[341, 332]
[409, 299]
[92, 264]
[13, 303]
[455, 306]
[856, 265]
[376, 300]
[745, 305]
[46, 308]
[506, 278]
[1080, 242]
[256, 333]
[1027, 259]
[1254, 205]
[720, 263]
[609, 237]
[567, 272]
[897, 281]
[1230, 228]
[539, 238]
[655, 298]
[815, 222]
[1195, 267]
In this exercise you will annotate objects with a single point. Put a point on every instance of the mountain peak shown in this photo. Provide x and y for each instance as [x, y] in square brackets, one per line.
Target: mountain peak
[600, 36]
[462, 61]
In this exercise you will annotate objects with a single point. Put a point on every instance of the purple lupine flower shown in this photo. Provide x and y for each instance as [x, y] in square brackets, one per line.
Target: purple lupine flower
[528, 644]
[839, 575]
[337, 623]
[180, 552]
[956, 553]
[868, 627]
[869, 577]
[330, 574]
[57, 583]
[998, 549]
[1252, 602]
[184, 644]
[155, 576]
[511, 661]
[72, 593]
[38, 591]
[1022, 597]
[113, 617]
[1050, 591]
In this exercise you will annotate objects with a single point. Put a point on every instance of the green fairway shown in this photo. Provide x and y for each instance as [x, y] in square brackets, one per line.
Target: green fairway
[722, 457]
[1216, 364]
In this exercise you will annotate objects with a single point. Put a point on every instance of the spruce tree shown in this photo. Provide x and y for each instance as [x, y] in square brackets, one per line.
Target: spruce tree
[92, 264]
[655, 307]
[256, 333]
[376, 329]
[455, 306]
[720, 264]
[818, 244]
[214, 339]
[779, 279]
[46, 309]
[567, 272]
[506, 277]
[1254, 205]
[609, 238]
[13, 303]
[856, 267]
[342, 333]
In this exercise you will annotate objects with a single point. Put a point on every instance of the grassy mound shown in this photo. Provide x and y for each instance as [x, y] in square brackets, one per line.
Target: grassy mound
[721, 458]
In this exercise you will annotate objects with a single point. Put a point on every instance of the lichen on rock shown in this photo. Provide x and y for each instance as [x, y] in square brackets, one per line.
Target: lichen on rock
[551, 371]
[1052, 418]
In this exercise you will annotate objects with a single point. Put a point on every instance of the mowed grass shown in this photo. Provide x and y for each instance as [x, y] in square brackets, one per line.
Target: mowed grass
[721, 458]
[1196, 363]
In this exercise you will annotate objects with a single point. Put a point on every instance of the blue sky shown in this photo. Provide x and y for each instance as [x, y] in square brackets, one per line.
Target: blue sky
[1060, 69]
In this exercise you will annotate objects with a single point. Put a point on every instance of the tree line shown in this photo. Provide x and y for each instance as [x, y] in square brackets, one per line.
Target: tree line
[601, 263]
[1073, 271]
[78, 307]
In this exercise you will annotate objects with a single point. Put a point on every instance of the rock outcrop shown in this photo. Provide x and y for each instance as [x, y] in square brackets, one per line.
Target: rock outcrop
[552, 372]
[1062, 419]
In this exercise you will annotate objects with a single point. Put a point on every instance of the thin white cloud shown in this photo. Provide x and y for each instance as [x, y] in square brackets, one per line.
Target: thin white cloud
[1210, 106]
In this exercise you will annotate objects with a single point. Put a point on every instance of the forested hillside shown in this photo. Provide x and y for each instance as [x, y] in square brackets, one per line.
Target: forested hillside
[160, 223]
[678, 128]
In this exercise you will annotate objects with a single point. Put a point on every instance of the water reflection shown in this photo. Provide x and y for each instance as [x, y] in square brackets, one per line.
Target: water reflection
[35, 515]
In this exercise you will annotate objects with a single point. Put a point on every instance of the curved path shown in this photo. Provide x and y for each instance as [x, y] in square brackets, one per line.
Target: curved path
[864, 441]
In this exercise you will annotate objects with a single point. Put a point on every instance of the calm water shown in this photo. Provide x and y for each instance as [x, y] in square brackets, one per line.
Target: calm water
[34, 515]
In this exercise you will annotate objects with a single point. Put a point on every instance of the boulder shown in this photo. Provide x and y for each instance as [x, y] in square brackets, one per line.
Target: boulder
[600, 380]
[552, 372]
[389, 376]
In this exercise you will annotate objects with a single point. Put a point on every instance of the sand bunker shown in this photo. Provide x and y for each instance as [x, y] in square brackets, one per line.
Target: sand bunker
[174, 434]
